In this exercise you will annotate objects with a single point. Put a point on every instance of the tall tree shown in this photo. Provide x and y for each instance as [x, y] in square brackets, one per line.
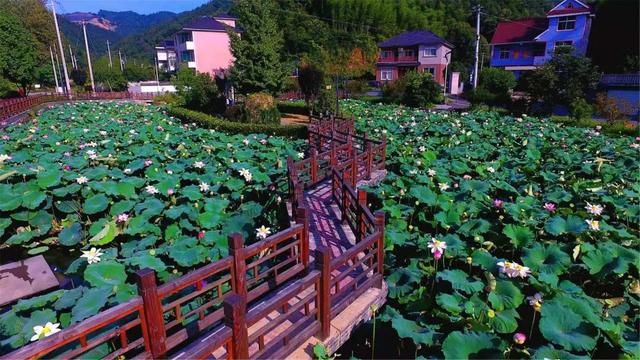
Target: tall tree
[18, 54]
[259, 64]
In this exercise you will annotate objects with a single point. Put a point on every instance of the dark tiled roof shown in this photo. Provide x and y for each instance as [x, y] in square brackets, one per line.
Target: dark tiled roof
[413, 38]
[206, 23]
[631, 80]
[522, 30]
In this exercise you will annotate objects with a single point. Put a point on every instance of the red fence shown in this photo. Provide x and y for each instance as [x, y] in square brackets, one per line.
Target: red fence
[12, 107]
[261, 301]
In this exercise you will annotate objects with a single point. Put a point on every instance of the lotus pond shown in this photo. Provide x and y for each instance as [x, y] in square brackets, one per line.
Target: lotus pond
[506, 237]
[102, 190]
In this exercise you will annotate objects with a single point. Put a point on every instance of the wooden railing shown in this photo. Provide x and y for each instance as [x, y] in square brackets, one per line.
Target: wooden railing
[12, 107]
[263, 300]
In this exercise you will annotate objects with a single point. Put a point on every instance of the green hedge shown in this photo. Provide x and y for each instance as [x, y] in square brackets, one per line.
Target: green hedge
[616, 128]
[293, 108]
[212, 122]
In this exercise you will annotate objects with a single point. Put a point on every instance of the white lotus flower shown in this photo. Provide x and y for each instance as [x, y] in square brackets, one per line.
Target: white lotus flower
[594, 225]
[246, 174]
[594, 209]
[91, 152]
[103, 133]
[93, 255]
[82, 180]
[198, 164]
[513, 269]
[127, 171]
[262, 232]
[245, 141]
[4, 157]
[43, 331]
[422, 148]
[443, 186]
[431, 172]
[204, 187]
[151, 189]
[491, 169]
[300, 155]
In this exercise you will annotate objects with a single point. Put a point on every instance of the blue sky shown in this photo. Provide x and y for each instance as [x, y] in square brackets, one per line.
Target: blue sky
[139, 6]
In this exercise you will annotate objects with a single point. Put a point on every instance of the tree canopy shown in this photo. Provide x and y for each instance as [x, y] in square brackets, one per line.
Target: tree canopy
[18, 53]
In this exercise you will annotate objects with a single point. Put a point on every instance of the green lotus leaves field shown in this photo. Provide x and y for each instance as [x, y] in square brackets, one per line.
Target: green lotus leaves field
[508, 237]
[105, 189]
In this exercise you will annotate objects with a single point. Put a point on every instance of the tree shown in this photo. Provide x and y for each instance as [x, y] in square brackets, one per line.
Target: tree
[259, 65]
[564, 79]
[79, 77]
[420, 90]
[311, 81]
[494, 87]
[18, 54]
[198, 90]
[110, 78]
[140, 71]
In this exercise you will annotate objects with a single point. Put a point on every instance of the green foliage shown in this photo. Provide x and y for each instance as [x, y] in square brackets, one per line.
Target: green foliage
[7, 89]
[420, 90]
[293, 107]
[79, 77]
[259, 65]
[562, 80]
[208, 121]
[141, 71]
[580, 109]
[320, 352]
[198, 91]
[326, 102]
[583, 276]
[86, 163]
[109, 78]
[494, 87]
[18, 54]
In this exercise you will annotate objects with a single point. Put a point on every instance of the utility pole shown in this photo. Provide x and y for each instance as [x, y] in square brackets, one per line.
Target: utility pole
[53, 65]
[109, 50]
[64, 64]
[120, 56]
[73, 62]
[477, 9]
[86, 45]
[55, 52]
[157, 76]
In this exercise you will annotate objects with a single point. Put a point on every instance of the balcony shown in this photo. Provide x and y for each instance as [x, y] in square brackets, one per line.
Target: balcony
[397, 59]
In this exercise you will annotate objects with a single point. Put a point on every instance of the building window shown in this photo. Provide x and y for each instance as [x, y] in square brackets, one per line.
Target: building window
[567, 23]
[184, 37]
[562, 43]
[429, 52]
[406, 53]
[387, 54]
[430, 70]
[516, 54]
[504, 54]
[386, 75]
[187, 56]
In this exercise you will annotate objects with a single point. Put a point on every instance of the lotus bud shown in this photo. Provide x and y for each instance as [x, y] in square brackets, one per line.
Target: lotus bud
[469, 260]
[519, 338]
[491, 314]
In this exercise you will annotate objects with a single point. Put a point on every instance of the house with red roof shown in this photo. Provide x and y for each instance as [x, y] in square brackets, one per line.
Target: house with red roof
[205, 45]
[419, 50]
[524, 44]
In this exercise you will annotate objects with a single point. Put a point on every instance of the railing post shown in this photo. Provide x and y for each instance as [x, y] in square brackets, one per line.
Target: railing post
[314, 164]
[323, 263]
[379, 216]
[384, 150]
[303, 218]
[369, 159]
[362, 201]
[235, 308]
[153, 315]
[332, 159]
[236, 249]
[345, 200]
[354, 167]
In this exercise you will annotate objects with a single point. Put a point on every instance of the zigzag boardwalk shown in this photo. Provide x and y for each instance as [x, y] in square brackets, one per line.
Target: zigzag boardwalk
[272, 299]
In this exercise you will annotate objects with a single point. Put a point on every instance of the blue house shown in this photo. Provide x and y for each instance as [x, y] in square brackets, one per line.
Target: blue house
[525, 44]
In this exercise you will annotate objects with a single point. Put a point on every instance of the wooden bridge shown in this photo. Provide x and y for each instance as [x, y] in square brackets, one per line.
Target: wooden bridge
[272, 299]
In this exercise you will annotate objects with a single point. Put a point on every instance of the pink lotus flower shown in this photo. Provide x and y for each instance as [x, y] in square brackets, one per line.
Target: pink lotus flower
[171, 192]
[148, 162]
[497, 203]
[6, 137]
[67, 154]
[519, 338]
[550, 207]
[122, 218]
[437, 254]
[67, 167]
[201, 235]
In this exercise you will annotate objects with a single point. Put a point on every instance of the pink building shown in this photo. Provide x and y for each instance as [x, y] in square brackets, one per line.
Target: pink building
[414, 50]
[204, 45]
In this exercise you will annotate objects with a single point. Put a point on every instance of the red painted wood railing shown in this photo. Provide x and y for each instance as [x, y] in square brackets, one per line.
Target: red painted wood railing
[12, 107]
[226, 308]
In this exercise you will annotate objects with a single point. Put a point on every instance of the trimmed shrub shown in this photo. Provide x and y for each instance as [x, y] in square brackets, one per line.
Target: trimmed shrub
[421, 90]
[291, 107]
[580, 109]
[261, 108]
[168, 99]
[326, 102]
[212, 122]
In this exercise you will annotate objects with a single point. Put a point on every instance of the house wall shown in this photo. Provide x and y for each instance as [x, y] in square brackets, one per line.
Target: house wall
[521, 60]
[212, 51]
[578, 36]
[440, 58]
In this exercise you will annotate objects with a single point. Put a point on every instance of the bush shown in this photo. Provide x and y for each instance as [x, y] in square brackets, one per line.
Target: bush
[261, 108]
[326, 102]
[394, 90]
[580, 109]
[421, 90]
[7, 89]
[619, 127]
[212, 122]
[199, 91]
[292, 107]
[168, 99]
[311, 81]
[497, 83]
[610, 109]
[356, 86]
